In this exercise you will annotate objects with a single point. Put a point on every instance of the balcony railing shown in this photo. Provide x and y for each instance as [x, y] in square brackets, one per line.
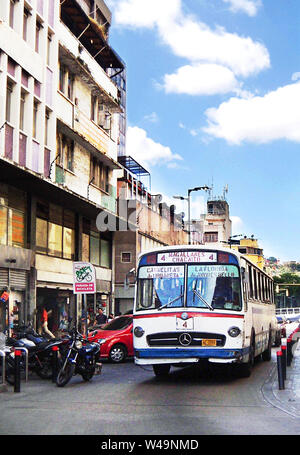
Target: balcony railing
[73, 45]
[91, 132]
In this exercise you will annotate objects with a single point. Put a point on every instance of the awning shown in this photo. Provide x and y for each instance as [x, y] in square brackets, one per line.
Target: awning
[133, 166]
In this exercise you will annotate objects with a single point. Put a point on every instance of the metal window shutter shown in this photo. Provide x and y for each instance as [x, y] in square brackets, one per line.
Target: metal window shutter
[3, 278]
[17, 279]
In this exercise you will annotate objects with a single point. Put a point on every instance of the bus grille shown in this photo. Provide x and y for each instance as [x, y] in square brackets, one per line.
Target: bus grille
[172, 338]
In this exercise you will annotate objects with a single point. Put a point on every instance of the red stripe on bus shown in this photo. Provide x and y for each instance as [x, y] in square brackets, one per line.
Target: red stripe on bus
[202, 315]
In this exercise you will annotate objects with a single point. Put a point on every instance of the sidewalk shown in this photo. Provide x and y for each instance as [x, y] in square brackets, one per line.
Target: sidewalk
[288, 400]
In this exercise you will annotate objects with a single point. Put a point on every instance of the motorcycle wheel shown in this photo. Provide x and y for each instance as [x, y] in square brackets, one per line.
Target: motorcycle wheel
[65, 374]
[87, 375]
[45, 371]
[10, 371]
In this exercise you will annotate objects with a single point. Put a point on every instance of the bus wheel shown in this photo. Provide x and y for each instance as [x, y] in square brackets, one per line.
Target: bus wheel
[267, 354]
[161, 370]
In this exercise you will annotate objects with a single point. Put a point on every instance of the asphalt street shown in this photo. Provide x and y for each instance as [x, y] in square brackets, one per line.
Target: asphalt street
[128, 400]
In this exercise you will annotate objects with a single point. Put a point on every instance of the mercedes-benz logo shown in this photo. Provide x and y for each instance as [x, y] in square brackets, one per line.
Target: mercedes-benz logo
[185, 339]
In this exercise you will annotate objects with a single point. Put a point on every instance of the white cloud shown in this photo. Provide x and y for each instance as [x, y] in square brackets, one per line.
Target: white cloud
[197, 42]
[144, 13]
[146, 151]
[201, 79]
[249, 7]
[237, 225]
[258, 119]
[191, 39]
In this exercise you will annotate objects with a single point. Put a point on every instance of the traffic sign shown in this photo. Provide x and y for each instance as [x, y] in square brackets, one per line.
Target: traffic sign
[84, 278]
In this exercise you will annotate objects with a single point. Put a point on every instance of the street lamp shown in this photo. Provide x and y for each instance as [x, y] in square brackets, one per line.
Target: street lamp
[198, 188]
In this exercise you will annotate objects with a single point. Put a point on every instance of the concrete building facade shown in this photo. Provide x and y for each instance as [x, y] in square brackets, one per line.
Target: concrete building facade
[59, 120]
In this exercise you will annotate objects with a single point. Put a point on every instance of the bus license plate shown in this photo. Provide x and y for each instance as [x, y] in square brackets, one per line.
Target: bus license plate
[209, 342]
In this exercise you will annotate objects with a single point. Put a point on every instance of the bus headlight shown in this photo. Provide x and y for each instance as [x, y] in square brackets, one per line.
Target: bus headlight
[139, 332]
[234, 332]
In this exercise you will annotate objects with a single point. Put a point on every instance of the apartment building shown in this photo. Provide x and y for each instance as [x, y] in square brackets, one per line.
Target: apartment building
[59, 139]
[152, 224]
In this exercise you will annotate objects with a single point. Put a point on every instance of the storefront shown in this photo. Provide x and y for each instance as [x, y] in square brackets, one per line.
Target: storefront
[14, 279]
[61, 304]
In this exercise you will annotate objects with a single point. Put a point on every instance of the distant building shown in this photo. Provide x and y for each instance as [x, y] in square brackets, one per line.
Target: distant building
[152, 224]
[250, 247]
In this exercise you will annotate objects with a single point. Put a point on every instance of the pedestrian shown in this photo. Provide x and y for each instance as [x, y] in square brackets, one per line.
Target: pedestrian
[110, 317]
[44, 321]
[101, 318]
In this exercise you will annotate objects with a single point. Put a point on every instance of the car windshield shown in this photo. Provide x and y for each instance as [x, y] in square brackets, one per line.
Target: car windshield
[214, 287]
[160, 287]
[118, 323]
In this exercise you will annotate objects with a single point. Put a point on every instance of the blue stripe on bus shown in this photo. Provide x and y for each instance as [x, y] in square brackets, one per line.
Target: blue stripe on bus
[186, 353]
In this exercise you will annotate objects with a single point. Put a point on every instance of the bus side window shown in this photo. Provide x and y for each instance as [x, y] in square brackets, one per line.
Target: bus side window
[251, 294]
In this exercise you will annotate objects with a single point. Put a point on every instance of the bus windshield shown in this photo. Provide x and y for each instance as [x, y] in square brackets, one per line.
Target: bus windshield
[207, 286]
[214, 287]
[160, 287]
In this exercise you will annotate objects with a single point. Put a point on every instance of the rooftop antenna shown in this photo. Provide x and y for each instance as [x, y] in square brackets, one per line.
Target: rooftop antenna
[225, 191]
[210, 191]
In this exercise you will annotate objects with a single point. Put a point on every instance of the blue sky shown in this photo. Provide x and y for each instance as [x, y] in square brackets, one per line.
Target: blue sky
[213, 96]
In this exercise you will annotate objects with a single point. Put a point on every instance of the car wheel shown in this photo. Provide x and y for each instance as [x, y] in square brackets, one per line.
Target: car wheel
[117, 353]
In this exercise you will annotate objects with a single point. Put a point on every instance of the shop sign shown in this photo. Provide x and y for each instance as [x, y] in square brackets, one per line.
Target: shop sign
[84, 278]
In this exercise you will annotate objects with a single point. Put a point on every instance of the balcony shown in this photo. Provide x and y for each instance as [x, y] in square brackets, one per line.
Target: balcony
[88, 132]
[91, 132]
[78, 59]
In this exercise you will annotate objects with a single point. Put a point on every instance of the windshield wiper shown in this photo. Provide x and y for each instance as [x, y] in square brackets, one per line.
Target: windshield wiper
[203, 300]
[169, 303]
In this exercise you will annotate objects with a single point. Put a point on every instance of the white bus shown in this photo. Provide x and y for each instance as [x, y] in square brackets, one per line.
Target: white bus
[197, 304]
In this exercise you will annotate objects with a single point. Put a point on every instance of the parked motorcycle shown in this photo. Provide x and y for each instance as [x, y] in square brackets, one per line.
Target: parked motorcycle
[40, 353]
[82, 357]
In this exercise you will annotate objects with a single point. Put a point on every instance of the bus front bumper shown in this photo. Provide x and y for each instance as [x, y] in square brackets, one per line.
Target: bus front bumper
[156, 356]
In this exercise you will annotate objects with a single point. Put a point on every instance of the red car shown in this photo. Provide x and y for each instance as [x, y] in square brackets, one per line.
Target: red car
[116, 339]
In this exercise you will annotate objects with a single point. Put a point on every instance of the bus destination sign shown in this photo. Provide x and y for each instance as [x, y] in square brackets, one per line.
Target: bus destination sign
[187, 256]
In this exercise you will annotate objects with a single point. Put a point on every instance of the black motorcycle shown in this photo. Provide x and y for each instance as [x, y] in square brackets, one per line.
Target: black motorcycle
[40, 353]
[82, 357]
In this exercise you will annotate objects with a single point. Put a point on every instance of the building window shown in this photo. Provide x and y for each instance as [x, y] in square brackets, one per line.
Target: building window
[99, 174]
[70, 85]
[65, 152]
[9, 93]
[95, 249]
[49, 48]
[11, 13]
[47, 120]
[38, 28]
[66, 82]
[62, 78]
[210, 237]
[22, 109]
[35, 118]
[25, 24]
[12, 217]
[55, 231]
[93, 107]
[126, 257]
